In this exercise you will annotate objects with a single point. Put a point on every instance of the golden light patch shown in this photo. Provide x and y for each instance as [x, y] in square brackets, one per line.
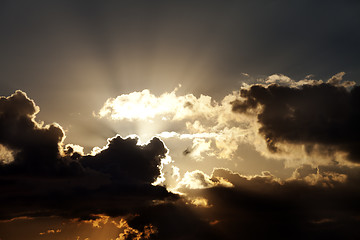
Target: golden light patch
[101, 219]
[50, 231]
[134, 233]
[212, 223]
[200, 202]
[6, 155]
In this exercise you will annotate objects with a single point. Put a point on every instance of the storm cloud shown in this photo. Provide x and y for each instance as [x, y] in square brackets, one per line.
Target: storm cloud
[326, 114]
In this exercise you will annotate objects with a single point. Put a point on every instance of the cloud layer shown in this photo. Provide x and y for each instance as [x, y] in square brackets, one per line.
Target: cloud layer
[263, 206]
[43, 177]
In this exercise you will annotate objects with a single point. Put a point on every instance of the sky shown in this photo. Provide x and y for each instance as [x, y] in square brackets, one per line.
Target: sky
[179, 120]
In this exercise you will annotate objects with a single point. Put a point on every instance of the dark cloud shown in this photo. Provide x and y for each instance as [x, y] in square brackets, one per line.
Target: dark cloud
[141, 164]
[46, 179]
[316, 203]
[262, 207]
[178, 221]
[34, 147]
[321, 114]
[43, 179]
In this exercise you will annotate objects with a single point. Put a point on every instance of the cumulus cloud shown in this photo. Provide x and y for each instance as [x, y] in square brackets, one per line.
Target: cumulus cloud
[337, 80]
[314, 203]
[199, 146]
[322, 118]
[202, 119]
[282, 118]
[294, 207]
[145, 105]
[195, 180]
[44, 178]
[280, 79]
[34, 147]
[216, 129]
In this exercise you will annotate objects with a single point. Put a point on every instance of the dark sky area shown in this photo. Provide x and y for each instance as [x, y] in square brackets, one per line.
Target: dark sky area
[259, 139]
[75, 47]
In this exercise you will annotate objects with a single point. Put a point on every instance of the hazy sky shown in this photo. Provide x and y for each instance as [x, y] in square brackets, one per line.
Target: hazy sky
[179, 119]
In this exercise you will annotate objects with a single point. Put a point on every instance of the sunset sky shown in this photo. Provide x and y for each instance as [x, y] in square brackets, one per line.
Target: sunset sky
[179, 120]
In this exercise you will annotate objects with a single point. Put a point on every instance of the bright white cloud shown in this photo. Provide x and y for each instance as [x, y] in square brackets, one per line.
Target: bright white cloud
[145, 106]
[199, 180]
[212, 126]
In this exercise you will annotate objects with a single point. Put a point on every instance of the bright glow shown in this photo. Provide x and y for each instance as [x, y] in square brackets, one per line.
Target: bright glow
[101, 219]
[6, 155]
[132, 232]
[76, 148]
[175, 173]
[161, 177]
[146, 106]
[200, 202]
[196, 180]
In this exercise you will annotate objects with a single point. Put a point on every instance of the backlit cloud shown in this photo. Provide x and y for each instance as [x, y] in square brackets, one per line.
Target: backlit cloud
[310, 208]
[208, 123]
[322, 118]
[145, 105]
[216, 128]
[44, 178]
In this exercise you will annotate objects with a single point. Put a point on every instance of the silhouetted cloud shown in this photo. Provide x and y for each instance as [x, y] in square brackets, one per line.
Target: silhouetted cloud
[263, 207]
[45, 179]
[311, 114]
[35, 148]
